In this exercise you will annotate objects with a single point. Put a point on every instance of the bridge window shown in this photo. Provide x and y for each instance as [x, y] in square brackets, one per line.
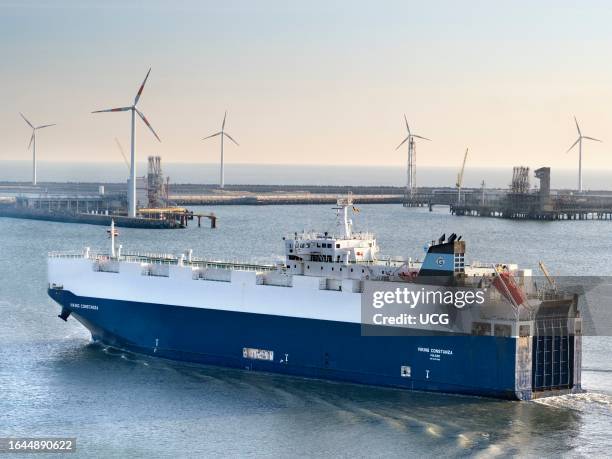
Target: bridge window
[337, 246]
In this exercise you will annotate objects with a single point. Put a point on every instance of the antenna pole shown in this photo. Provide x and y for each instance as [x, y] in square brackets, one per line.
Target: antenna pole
[112, 235]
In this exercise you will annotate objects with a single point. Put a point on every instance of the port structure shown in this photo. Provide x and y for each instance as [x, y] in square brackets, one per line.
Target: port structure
[459, 183]
[156, 188]
[521, 201]
[73, 204]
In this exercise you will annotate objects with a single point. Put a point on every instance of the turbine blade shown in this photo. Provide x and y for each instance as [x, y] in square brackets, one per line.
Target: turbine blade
[573, 145]
[137, 98]
[577, 127]
[403, 142]
[407, 127]
[223, 124]
[31, 140]
[26, 120]
[120, 109]
[591, 138]
[420, 137]
[127, 163]
[44, 126]
[147, 123]
[213, 135]
[230, 137]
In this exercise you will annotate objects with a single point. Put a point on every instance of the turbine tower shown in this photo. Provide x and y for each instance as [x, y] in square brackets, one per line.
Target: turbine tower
[579, 142]
[222, 133]
[33, 144]
[134, 110]
[411, 170]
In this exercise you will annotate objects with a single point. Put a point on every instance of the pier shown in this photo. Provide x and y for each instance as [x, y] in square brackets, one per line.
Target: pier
[523, 203]
[562, 208]
[99, 210]
[180, 215]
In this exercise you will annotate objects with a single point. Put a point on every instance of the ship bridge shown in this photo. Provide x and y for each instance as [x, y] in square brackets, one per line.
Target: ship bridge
[319, 254]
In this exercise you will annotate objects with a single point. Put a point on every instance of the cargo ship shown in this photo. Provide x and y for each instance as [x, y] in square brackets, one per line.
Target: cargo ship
[310, 315]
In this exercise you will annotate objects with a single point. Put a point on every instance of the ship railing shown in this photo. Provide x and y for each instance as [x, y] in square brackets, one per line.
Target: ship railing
[166, 259]
[310, 235]
[66, 254]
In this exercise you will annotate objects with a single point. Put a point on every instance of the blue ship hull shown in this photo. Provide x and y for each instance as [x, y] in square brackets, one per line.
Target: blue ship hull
[470, 365]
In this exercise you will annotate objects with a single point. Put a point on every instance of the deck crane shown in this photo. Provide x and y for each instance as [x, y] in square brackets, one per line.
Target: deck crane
[549, 278]
[460, 177]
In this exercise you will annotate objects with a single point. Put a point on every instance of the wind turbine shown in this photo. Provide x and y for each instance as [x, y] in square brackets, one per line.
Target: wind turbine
[33, 144]
[222, 133]
[579, 142]
[134, 110]
[411, 172]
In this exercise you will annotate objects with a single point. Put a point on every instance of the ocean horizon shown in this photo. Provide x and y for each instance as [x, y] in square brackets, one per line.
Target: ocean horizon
[300, 174]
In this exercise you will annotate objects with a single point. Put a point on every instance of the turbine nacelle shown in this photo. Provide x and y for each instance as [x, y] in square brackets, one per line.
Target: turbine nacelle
[34, 128]
[580, 137]
[410, 137]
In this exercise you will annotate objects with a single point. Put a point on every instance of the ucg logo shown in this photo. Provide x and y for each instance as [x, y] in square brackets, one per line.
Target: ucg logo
[440, 261]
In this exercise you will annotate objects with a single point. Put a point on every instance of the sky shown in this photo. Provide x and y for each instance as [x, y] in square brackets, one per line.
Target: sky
[317, 82]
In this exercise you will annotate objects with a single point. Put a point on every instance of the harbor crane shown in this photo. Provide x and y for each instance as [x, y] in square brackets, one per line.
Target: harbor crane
[459, 183]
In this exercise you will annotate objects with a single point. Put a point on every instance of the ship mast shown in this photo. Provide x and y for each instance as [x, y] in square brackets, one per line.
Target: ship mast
[112, 233]
[342, 204]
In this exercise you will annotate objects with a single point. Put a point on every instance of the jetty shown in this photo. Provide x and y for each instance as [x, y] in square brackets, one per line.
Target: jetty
[522, 203]
[99, 210]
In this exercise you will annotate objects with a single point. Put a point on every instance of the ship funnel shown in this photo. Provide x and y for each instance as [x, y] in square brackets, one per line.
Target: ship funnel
[444, 258]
